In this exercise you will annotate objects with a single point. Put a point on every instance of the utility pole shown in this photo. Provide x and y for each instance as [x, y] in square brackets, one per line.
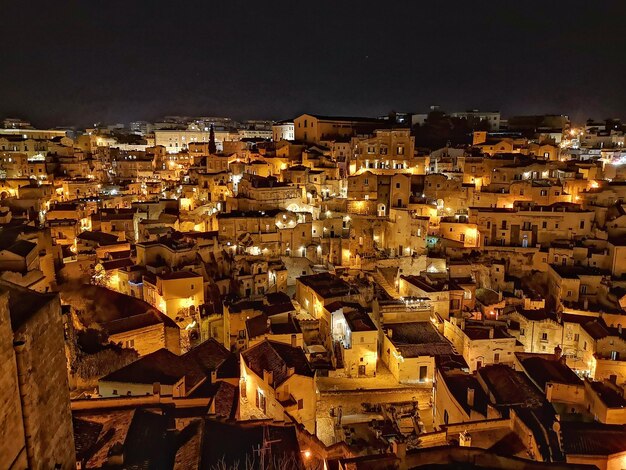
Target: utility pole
[265, 450]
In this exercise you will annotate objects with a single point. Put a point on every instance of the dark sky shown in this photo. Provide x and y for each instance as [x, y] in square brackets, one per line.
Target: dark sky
[79, 61]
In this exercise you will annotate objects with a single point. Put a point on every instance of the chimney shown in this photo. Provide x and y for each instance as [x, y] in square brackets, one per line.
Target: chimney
[268, 377]
[465, 439]
[491, 330]
[399, 448]
[470, 397]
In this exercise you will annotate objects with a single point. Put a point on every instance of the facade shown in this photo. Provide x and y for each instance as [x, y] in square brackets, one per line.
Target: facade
[316, 128]
[481, 343]
[411, 350]
[175, 293]
[277, 379]
[283, 130]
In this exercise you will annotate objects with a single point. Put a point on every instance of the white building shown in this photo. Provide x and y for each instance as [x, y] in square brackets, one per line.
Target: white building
[283, 130]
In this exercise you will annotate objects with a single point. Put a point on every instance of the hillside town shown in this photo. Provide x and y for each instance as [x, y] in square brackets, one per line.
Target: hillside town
[413, 290]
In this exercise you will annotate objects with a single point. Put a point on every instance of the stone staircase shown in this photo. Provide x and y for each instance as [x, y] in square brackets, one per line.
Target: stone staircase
[382, 282]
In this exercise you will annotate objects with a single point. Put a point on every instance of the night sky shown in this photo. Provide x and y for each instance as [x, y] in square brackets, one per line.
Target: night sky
[75, 62]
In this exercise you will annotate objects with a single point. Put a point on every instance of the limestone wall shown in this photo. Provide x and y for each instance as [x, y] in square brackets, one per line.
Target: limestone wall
[11, 425]
[46, 391]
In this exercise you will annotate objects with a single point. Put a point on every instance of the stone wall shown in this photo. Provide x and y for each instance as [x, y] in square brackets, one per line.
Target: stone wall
[12, 444]
[45, 392]
[150, 339]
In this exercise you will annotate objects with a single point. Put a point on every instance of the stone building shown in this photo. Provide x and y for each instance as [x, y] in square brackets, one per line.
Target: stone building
[36, 428]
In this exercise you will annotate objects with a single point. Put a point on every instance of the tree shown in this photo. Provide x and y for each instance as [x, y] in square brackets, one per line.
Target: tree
[212, 146]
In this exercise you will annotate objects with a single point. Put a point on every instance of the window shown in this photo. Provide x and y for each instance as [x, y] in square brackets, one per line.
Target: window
[191, 286]
[496, 358]
[114, 391]
[400, 150]
[445, 416]
[300, 403]
[544, 192]
[462, 237]
[260, 400]
[585, 346]
[544, 336]
[130, 343]
[583, 289]
[423, 373]
[366, 181]
[521, 331]
[582, 224]
[544, 224]
[576, 337]
[397, 185]
[488, 224]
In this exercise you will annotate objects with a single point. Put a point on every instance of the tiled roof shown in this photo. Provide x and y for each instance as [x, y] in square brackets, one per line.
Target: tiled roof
[162, 366]
[547, 369]
[610, 397]
[135, 322]
[458, 383]
[102, 238]
[326, 284]
[277, 358]
[414, 339]
[593, 438]
[167, 368]
[359, 320]
[510, 387]
[538, 314]
[22, 247]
